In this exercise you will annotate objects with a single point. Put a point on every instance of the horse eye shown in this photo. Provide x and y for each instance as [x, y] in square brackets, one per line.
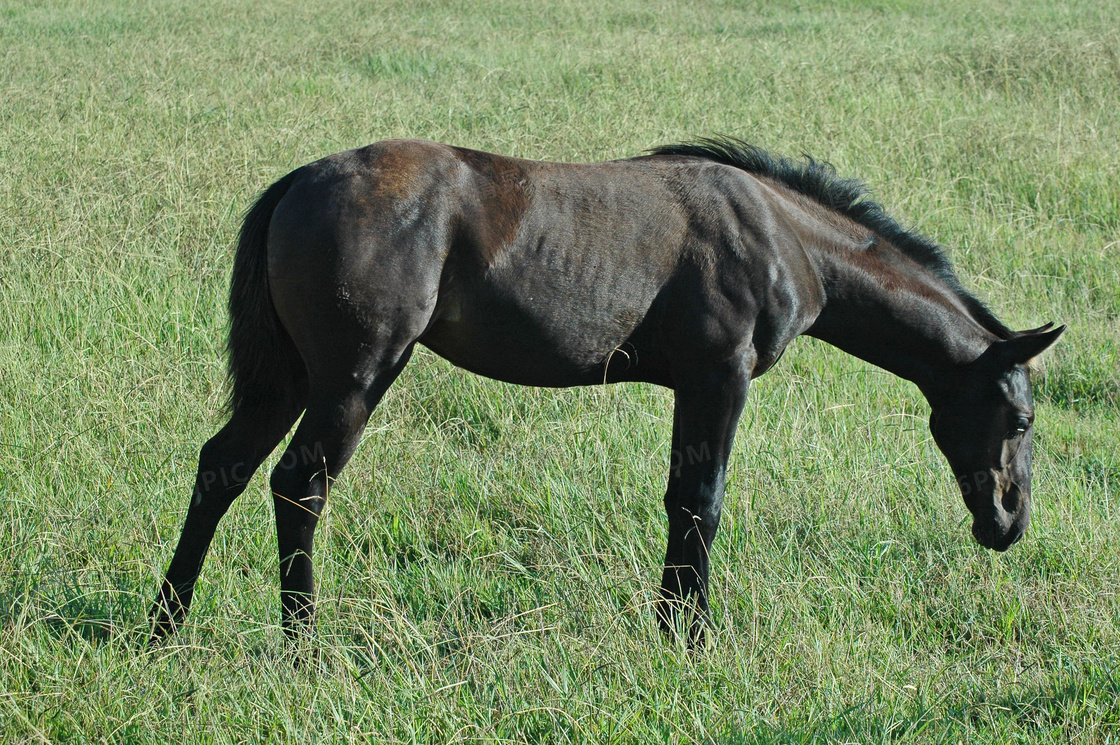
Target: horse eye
[1021, 424]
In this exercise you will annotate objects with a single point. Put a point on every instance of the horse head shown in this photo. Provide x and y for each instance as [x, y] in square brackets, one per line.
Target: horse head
[982, 422]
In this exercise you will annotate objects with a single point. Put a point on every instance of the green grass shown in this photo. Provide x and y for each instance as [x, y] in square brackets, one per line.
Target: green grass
[488, 560]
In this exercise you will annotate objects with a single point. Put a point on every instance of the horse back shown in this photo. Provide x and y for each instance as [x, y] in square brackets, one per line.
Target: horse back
[545, 273]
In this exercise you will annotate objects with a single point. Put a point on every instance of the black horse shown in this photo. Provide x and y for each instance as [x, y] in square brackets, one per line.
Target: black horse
[691, 267]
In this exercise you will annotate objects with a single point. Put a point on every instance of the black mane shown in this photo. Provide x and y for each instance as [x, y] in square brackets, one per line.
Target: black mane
[850, 197]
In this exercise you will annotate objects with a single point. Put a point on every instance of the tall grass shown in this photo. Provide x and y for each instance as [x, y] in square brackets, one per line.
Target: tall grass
[487, 561]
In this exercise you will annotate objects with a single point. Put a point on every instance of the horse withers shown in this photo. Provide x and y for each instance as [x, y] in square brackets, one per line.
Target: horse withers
[691, 267]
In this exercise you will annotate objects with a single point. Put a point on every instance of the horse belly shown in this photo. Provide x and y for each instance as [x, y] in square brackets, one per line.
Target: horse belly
[553, 344]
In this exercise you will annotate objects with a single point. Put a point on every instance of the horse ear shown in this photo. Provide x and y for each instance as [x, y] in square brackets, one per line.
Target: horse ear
[1029, 344]
[1044, 327]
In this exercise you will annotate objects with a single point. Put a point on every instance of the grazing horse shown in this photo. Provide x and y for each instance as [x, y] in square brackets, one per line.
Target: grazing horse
[691, 267]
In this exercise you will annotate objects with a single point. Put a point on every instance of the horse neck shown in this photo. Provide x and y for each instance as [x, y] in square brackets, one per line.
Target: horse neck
[887, 309]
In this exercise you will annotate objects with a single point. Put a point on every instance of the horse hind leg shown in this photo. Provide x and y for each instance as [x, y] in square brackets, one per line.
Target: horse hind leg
[226, 463]
[324, 442]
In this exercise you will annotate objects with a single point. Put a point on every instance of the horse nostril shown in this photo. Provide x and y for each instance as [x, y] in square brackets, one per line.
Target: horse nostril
[1012, 499]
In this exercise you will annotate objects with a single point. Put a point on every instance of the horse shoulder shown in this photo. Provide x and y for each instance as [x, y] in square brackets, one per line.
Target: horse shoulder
[756, 285]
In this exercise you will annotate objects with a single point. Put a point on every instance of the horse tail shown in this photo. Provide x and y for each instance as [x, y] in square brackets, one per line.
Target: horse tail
[265, 369]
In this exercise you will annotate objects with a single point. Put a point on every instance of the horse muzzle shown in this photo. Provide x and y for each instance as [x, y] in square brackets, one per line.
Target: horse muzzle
[1005, 522]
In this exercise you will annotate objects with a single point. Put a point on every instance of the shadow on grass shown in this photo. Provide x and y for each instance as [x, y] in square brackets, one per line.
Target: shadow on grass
[89, 618]
[96, 615]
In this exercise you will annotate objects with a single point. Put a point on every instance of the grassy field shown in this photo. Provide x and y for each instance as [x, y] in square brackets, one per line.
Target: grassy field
[488, 560]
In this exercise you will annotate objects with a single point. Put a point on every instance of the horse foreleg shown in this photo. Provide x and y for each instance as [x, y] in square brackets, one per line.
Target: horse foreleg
[705, 416]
